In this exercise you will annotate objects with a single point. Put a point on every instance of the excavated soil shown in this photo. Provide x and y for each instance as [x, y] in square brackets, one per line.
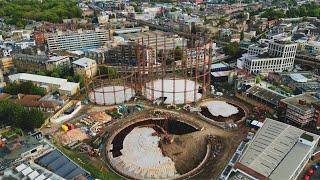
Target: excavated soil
[186, 151]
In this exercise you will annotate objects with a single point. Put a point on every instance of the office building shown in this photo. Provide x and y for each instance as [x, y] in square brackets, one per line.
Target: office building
[301, 109]
[255, 49]
[280, 57]
[61, 62]
[28, 62]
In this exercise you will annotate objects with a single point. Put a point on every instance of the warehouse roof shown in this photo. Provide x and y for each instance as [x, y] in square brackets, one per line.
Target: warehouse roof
[83, 62]
[266, 94]
[57, 58]
[60, 165]
[37, 78]
[275, 151]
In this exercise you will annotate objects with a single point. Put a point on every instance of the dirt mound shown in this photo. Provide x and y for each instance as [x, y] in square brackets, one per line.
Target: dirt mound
[187, 151]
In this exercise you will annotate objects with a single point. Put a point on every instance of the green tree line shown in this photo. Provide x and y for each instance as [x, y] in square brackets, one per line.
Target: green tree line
[311, 9]
[18, 12]
[24, 88]
[15, 115]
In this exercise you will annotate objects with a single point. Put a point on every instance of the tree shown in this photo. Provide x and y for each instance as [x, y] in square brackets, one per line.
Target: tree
[258, 80]
[69, 78]
[109, 71]
[221, 22]
[24, 88]
[41, 73]
[56, 72]
[287, 89]
[16, 115]
[79, 79]
[241, 35]
[178, 53]
[273, 14]
[232, 49]
[17, 12]
[173, 9]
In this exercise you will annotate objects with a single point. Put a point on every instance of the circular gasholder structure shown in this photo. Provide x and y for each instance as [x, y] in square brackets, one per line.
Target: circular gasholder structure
[104, 90]
[171, 75]
[175, 91]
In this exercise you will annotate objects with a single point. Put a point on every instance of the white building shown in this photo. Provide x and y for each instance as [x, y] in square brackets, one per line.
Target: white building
[312, 47]
[51, 83]
[6, 51]
[255, 49]
[278, 151]
[280, 57]
[85, 66]
[58, 62]
[80, 40]
[25, 44]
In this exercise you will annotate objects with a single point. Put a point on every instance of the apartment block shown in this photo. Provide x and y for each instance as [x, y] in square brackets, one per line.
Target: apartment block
[80, 40]
[301, 109]
[156, 39]
[85, 66]
[30, 62]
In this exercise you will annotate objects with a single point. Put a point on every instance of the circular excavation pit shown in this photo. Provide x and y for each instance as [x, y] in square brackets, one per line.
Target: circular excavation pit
[157, 148]
[174, 91]
[221, 111]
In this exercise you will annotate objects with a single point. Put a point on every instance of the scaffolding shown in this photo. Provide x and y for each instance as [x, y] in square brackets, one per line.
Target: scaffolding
[173, 75]
[175, 80]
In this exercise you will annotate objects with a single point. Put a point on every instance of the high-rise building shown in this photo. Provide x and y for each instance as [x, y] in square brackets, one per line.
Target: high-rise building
[80, 40]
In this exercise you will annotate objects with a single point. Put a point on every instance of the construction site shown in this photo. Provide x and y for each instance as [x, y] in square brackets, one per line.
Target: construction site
[223, 112]
[177, 74]
[146, 121]
[163, 144]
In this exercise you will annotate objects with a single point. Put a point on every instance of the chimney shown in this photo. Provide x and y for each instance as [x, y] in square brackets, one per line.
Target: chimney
[302, 102]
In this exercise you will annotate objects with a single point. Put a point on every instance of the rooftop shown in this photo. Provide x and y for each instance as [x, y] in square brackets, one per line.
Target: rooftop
[297, 77]
[15, 148]
[302, 101]
[34, 101]
[69, 86]
[266, 94]
[84, 62]
[36, 78]
[275, 151]
[57, 58]
[219, 65]
[61, 165]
